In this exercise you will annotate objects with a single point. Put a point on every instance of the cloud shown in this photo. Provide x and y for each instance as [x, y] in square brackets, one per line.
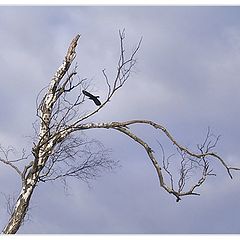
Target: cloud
[186, 78]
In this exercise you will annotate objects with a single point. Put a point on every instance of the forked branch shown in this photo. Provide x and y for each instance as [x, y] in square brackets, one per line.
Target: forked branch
[189, 160]
[58, 152]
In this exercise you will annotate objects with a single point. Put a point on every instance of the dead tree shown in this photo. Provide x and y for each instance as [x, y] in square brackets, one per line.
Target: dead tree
[60, 149]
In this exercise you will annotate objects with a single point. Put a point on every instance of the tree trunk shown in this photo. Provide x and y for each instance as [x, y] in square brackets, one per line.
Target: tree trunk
[21, 206]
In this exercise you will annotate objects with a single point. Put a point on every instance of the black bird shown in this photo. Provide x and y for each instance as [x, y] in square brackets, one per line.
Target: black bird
[94, 98]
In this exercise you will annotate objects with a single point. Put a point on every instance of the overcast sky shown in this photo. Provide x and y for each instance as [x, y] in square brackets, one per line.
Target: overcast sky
[187, 78]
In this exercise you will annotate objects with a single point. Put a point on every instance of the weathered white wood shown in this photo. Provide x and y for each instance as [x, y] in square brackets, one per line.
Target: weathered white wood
[45, 145]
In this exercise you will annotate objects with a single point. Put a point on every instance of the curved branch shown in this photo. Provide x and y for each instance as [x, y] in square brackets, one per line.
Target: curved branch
[171, 138]
[124, 128]
[149, 152]
[11, 165]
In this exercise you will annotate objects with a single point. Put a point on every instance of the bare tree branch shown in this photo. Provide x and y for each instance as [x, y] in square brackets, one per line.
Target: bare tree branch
[188, 158]
[61, 151]
[11, 165]
[5, 159]
[125, 65]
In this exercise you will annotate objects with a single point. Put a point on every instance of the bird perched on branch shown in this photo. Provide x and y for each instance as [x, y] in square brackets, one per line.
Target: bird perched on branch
[92, 97]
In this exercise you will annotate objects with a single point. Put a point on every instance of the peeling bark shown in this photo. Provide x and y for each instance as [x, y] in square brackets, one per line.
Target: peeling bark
[59, 123]
[44, 147]
[21, 206]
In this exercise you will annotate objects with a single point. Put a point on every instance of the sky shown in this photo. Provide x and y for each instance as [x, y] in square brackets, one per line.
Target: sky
[186, 78]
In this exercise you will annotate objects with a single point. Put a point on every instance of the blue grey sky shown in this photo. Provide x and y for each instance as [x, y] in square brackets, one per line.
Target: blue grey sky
[187, 78]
